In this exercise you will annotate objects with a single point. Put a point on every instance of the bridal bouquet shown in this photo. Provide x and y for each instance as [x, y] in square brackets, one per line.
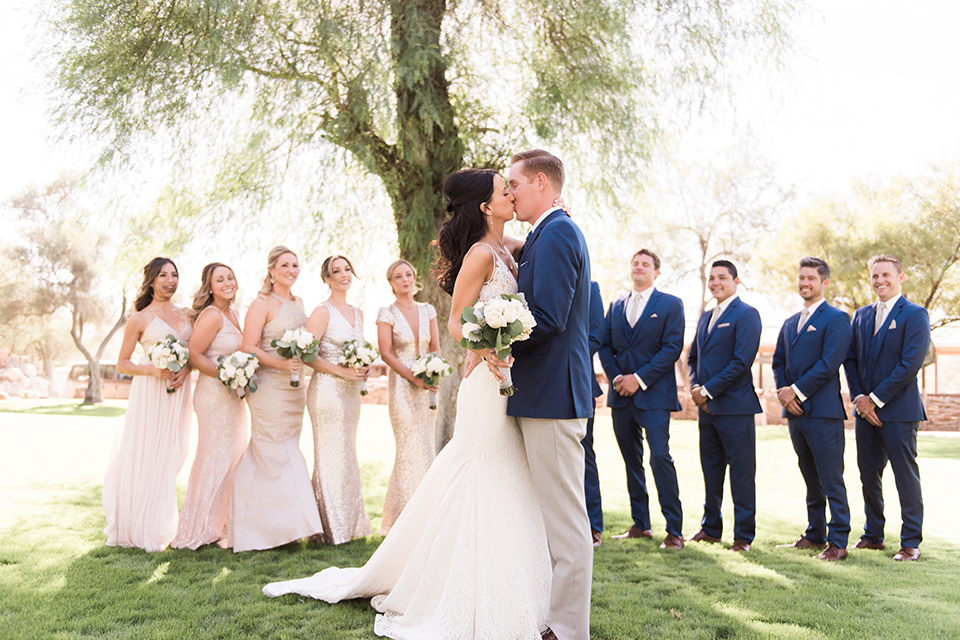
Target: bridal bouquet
[358, 354]
[497, 324]
[297, 343]
[169, 353]
[238, 371]
[430, 368]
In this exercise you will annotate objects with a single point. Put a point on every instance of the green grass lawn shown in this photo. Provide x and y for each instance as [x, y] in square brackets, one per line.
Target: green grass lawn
[58, 580]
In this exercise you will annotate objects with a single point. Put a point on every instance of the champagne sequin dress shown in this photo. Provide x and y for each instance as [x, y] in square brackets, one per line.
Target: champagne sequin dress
[140, 487]
[272, 500]
[334, 406]
[222, 434]
[413, 422]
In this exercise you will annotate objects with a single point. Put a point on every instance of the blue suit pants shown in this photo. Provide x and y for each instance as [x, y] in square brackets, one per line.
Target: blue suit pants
[629, 425]
[896, 442]
[729, 440]
[591, 479]
[819, 444]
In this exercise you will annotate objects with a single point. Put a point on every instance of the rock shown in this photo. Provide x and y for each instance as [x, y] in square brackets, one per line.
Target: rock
[12, 374]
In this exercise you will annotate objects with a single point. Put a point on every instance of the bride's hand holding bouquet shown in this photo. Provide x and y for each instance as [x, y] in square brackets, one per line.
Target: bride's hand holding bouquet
[495, 325]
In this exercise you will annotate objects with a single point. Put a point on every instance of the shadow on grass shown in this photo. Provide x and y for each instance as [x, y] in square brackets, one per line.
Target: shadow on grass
[67, 409]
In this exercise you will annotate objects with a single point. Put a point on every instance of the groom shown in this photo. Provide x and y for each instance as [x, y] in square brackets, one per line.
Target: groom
[552, 375]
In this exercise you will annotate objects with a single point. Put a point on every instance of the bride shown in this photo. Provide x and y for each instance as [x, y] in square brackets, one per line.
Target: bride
[467, 558]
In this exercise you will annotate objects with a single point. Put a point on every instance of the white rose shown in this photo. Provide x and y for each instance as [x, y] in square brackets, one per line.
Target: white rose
[230, 370]
[471, 331]
[510, 313]
[417, 368]
[241, 380]
[495, 318]
[249, 369]
[527, 320]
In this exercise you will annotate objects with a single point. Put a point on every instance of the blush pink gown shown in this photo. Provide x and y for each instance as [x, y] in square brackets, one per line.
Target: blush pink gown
[222, 434]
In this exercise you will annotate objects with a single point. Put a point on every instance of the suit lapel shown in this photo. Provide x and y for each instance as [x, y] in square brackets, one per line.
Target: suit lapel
[723, 316]
[620, 317]
[809, 322]
[649, 309]
[878, 339]
[532, 237]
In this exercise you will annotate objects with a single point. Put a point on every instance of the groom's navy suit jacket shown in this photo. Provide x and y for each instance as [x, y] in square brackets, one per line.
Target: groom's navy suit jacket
[650, 349]
[811, 357]
[553, 368]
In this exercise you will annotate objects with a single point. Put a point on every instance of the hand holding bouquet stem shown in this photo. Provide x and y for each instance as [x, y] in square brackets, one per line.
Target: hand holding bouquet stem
[429, 369]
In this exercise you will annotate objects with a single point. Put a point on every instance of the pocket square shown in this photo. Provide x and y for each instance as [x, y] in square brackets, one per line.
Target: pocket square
[811, 328]
[721, 326]
[653, 316]
[893, 324]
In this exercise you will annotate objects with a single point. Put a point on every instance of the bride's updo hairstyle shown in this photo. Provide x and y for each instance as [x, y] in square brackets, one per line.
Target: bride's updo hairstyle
[203, 298]
[464, 191]
[272, 257]
[150, 273]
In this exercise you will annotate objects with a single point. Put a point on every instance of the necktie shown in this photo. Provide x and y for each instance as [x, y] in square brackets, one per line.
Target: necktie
[713, 318]
[803, 319]
[881, 316]
[633, 309]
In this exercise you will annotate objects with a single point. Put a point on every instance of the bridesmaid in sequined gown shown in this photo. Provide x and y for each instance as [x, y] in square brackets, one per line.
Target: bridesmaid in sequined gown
[333, 402]
[272, 500]
[140, 486]
[406, 330]
[222, 424]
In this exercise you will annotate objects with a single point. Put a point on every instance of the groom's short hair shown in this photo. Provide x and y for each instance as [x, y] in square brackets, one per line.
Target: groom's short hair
[539, 161]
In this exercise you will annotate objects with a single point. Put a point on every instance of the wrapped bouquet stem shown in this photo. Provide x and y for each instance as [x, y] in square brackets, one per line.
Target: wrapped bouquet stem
[430, 368]
[359, 354]
[169, 353]
[297, 343]
[496, 324]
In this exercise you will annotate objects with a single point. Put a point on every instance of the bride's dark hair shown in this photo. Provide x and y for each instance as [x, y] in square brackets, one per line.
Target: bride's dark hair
[464, 191]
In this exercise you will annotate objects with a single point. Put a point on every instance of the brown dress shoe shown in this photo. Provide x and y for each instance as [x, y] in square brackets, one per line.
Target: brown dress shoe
[832, 553]
[907, 553]
[740, 545]
[702, 536]
[634, 532]
[548, 634]
[863, 543]
[597, 538]
[672, 542]
[802, 543]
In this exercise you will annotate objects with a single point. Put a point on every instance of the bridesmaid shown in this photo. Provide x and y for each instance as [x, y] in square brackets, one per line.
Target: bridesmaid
[140, 487]
[272, 501]
[222, 423]
[334, 405]
[406, 330]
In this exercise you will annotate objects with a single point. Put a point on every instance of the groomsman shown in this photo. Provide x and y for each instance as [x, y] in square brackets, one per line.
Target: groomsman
[591, 477]
[806, 367]
[642, 340]
[721, 385]
[890, 341]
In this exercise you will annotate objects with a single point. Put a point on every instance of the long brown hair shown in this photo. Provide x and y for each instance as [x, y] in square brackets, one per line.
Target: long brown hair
[267, 287]
[203, 298]
[150, 273]
[465, 191]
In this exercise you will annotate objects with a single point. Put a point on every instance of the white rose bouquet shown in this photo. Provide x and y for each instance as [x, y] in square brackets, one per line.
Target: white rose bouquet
[358, 354]
[169, 353]
[238, 371]
[497, 324]
[297, 343]
[430, 368]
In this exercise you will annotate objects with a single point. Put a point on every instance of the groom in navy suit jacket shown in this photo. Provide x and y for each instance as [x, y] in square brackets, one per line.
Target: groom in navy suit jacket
[642, 341]
[890, 342]
[806, 367]
[552, 374]
[721, 384]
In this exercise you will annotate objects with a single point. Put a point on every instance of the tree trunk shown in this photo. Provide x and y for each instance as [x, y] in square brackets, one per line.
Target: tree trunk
[94, 391]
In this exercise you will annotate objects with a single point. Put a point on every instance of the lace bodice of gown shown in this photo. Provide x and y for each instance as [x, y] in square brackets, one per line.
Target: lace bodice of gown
[338, 331]
[290, 316]
[501, 281]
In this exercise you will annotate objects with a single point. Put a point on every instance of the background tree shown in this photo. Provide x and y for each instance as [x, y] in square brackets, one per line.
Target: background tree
[916, 219]
[59, 259]
[408, 90]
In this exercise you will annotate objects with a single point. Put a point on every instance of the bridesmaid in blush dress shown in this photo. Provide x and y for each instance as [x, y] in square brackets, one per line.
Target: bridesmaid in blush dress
[334, 405]
[222, 424]
[140, 486]
[406, 330]
[272, 501]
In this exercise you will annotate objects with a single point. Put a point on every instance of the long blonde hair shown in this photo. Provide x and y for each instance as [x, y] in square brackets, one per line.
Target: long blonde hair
[416, 277]
[203, 298]
[267, 287]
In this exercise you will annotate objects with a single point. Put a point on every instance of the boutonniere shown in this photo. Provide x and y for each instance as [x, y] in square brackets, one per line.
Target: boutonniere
[721, 326]
[893, 324]
[811, 328]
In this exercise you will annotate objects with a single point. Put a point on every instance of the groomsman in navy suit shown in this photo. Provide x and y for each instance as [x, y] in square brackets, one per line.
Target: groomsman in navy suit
[806, 366]
[642, 341]
[591, 477]
[890, 341]
[721, 385]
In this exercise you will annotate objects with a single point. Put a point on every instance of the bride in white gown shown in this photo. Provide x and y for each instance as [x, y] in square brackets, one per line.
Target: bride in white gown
[467, 558]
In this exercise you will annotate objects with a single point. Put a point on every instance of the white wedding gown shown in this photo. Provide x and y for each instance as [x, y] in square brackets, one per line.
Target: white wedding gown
[467, 558]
